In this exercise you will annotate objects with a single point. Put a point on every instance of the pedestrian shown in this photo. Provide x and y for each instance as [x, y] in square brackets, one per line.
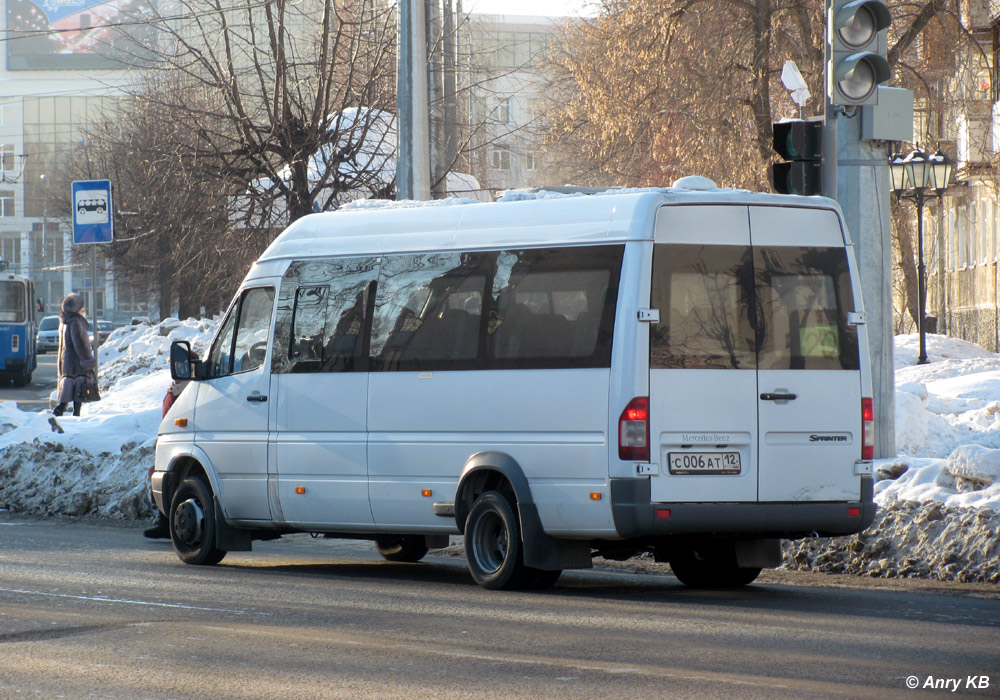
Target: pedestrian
[76, 361]
[161, 529]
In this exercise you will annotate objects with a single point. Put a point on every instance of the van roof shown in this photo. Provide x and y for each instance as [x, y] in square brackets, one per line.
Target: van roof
[526, 219]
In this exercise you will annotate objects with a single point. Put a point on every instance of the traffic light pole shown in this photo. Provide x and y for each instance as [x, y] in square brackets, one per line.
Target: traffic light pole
[830, 151]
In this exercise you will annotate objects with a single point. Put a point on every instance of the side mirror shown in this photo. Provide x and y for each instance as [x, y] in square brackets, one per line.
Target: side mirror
[180, 359]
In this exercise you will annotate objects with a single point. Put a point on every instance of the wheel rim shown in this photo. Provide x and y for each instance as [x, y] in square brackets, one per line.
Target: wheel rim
[189, 519]
[490, 542]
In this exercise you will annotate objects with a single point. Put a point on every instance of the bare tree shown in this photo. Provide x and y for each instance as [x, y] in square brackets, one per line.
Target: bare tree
[290, 96]
[655, 89]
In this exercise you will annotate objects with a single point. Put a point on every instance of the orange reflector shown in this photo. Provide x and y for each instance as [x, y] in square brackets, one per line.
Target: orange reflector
[426, 493]
[595, 495]
[300, 490]
[853, 512]
[662, 512]
[182, 422]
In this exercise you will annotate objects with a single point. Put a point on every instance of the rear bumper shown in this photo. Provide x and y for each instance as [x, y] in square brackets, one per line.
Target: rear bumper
[636, 516]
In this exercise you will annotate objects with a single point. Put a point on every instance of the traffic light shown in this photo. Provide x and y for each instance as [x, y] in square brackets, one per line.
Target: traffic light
[801, 144]
[857, 55]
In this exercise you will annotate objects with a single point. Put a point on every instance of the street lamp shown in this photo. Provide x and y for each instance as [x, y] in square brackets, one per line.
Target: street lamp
[917, 177]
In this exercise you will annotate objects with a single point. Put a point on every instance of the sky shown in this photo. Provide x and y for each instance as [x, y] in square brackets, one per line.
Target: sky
[552, 8]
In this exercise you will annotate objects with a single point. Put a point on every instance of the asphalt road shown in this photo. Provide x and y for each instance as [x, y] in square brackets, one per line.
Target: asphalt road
[92, 610]
[35, 396]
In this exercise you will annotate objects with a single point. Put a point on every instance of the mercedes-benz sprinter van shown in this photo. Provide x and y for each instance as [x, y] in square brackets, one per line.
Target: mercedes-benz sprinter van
[680, 371]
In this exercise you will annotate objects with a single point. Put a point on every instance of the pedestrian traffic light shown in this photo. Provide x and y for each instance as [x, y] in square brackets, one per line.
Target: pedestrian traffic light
[856, 50]
[801, 145]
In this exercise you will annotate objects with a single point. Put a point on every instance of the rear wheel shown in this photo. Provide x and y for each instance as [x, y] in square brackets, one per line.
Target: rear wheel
[710, 565]
[493, 543]
[192, 523]
[405, 548]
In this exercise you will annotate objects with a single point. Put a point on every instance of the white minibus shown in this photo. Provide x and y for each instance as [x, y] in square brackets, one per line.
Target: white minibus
[680, 371]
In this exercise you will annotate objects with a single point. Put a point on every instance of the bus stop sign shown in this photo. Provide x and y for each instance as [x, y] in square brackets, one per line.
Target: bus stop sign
[92, 219]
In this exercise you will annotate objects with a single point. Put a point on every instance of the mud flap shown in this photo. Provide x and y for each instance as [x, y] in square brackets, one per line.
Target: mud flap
[227, 538]
[542, 551]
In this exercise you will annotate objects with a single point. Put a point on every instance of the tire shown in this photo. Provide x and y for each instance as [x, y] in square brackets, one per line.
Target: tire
[493, 543]
[192, 523]
[710, 565]
[402, 548]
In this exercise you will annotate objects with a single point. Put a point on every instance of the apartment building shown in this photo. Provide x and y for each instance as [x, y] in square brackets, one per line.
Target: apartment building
[961, 232]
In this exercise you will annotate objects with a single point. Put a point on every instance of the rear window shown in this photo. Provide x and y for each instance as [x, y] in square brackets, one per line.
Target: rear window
[736, 307]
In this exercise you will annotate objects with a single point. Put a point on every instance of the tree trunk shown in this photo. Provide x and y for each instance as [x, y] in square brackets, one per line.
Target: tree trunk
[903, 239]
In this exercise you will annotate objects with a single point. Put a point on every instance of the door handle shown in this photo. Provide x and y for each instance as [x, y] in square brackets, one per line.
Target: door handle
[259, 398]
[777, 397]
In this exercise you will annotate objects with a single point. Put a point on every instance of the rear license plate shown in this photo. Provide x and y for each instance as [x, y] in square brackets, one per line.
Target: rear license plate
[704, 462]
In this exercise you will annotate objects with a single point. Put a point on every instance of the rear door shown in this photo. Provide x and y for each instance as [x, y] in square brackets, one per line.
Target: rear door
[703, 378]
[808, 363]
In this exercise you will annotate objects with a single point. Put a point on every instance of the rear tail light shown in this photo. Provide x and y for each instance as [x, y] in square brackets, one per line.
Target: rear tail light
[867, 429]
[633, 431]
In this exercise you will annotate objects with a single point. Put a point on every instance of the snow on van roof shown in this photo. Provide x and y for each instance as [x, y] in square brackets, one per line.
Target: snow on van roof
[518, 218]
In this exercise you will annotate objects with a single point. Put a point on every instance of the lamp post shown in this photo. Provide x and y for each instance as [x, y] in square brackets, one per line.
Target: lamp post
[917, 177]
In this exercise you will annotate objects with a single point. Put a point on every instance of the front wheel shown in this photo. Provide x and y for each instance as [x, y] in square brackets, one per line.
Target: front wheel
[403, 548]
[192, 523]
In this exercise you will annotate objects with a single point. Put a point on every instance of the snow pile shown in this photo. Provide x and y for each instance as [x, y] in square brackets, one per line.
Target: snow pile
[99, 465]
[909, 539]
[939, 498]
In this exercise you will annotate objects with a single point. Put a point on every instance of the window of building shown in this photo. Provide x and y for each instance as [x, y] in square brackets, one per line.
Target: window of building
[503, 111]
[529, 161]
[7, 157]
[7, 203]
[500, 158]
[10, 250]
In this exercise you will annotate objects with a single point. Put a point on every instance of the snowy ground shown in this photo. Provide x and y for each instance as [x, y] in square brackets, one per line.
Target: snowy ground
[939, 499]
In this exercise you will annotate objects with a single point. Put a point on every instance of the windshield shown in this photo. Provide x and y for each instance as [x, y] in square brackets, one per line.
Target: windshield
[105, 326]
[12, 301]
[49, 323]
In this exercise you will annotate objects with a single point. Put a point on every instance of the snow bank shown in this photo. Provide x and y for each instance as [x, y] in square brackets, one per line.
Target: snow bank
[99, 465]
[908, 539]
[938, 499]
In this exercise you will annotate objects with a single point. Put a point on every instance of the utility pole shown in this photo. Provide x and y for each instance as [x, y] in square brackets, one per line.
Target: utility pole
[413, 163]
[856, 175]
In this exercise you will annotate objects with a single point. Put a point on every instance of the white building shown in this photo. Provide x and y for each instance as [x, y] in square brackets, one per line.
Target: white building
[53, 80]
[505, 69]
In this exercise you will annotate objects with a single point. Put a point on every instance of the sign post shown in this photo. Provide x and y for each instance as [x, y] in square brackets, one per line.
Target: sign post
[92, 223]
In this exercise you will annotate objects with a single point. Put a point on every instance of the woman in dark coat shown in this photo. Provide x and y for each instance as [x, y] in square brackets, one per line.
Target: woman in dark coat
[76, 357]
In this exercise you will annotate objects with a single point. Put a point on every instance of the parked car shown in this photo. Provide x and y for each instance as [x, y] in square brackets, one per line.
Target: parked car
[104, 329]
[48, 334]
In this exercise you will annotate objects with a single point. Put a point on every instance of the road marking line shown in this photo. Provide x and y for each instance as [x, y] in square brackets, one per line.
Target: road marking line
[104, 599]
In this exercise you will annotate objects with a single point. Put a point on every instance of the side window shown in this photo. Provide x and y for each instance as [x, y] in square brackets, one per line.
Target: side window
[242, 342]
[804, 296]
[220, 357]
[252, 329]
[324, 313]
[552, 308]
[428, 312]
[707, 309]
